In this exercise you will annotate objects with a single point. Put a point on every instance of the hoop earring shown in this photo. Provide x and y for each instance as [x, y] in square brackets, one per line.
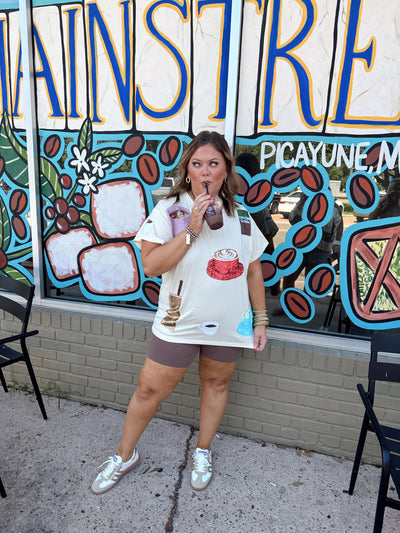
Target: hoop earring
[187, 179]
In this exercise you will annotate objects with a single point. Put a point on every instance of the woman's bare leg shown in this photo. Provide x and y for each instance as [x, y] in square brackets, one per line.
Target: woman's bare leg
[215, 377]
[156, 383]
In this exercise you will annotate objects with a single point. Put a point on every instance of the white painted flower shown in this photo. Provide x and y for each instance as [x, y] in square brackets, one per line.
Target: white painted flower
[80, 159]
[98, 167]
[88, 183]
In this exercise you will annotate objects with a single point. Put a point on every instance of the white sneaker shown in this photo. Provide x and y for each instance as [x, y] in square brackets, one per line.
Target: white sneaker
[113, 472]
[202, 469]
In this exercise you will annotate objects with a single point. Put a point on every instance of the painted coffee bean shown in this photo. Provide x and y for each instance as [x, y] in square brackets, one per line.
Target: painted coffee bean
[243, 186]
[321, 280]
[66, 181]
[151, 291]
[312, 179]
[268, 270]
[258, 193]
[317, 208]
[298, 305]
[79, 200]
[372, 156]
[148, 168]
[362, 191]
[304, 236]
[61, 206]
[52, 145]
[169, 151]
[3, 259]
[285, 176]
[72, 215]
[62, 224]
[2, 165]
[285, 258]
[133, 145]
[18, 201]
[19, 227]
[50, 213]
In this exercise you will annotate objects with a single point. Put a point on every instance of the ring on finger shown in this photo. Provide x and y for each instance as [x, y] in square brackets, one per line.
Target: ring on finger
[196, 208]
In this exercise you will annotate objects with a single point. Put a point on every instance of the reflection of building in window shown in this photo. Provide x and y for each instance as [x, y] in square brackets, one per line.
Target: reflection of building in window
[328, 246]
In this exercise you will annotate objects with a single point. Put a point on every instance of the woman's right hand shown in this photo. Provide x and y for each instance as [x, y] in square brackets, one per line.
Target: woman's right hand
[201, 202]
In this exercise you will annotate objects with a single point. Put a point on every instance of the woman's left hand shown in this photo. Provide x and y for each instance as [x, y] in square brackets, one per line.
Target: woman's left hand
[260, 338]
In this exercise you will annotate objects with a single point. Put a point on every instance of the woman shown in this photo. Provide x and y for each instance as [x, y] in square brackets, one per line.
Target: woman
[210, 278]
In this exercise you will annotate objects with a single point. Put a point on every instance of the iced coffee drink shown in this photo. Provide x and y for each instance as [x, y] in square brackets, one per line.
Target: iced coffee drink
[213, 215]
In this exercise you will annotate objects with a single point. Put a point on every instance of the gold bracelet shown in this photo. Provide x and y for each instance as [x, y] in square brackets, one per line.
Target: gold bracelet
[260, 318]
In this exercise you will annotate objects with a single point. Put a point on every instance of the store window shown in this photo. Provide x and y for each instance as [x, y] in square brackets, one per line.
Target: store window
[121, 87]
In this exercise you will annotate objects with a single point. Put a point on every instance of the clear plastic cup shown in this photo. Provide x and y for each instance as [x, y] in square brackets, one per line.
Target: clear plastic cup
[213, 215]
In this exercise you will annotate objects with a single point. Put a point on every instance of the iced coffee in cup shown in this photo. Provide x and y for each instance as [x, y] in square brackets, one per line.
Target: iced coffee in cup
[213, 215]
[244, 219]
[179, 218]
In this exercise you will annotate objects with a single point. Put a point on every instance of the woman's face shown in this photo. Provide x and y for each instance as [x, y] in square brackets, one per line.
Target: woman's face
[206, 166]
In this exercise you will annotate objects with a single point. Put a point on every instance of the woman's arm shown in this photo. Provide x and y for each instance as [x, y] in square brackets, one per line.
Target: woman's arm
[255, 283]
[160, 258]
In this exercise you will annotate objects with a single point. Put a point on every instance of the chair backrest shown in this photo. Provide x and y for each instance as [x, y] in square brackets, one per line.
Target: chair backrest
[383, 343]
[8, 289]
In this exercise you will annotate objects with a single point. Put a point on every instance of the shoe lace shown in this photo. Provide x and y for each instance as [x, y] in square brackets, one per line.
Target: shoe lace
[200, 462]
[109, 469]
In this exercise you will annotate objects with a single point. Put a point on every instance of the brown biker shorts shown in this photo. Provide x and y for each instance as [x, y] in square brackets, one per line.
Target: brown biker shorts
[181, 355]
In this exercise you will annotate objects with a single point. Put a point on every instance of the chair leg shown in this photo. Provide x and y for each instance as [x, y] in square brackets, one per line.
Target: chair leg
[3, 493]
[35, 386]
[380, 505]
[3, 381]
[360, 448]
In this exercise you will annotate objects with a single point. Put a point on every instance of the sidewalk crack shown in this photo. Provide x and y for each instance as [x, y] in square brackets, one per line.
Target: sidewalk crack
[169, 526]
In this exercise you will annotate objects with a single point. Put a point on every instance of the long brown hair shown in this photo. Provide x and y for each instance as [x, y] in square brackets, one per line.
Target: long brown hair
[229, 186]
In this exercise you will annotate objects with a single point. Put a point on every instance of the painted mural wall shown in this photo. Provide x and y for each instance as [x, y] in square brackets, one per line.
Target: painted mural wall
[122, 86]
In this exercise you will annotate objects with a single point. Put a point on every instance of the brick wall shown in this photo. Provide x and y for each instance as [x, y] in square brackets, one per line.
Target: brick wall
[288, 394]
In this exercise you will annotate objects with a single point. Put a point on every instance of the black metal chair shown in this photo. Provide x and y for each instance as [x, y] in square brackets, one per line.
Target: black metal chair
[3, 493]
[389, 441]
[20, 308]
[381, 343]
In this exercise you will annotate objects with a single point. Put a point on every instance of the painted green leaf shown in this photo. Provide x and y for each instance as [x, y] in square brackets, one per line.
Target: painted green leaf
[5, 233]
[14, 154]
[20, 252]
[109, 155]
[85, 139]
[85, 217]
[13, 273]
[49, 180]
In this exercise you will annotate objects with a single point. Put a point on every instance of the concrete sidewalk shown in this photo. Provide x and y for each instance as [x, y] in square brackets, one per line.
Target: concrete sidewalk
[47, 468]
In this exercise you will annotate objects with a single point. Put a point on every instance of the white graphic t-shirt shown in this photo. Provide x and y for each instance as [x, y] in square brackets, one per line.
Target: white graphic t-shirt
[204, 299]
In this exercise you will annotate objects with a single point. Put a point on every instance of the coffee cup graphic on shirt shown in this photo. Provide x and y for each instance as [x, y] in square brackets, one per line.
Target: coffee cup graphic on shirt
[209, 328]
[173, 313]
[179, 218]
[225, 265]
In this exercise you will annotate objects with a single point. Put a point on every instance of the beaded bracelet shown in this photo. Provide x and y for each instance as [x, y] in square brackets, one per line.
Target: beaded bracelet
[191, 235]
